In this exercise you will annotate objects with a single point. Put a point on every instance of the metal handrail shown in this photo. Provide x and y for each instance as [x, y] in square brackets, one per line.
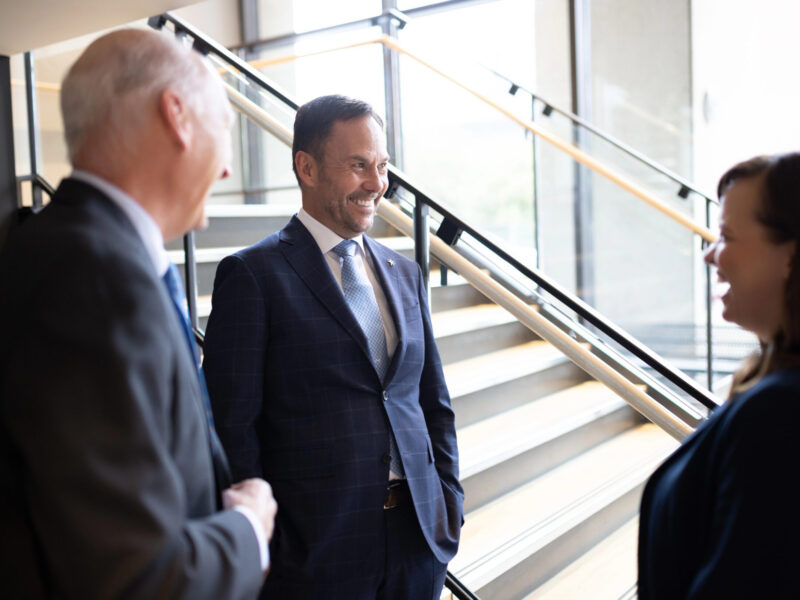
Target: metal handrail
[575, 350]
[573, 151]
[38, 181]
[396, 178]
[549, 107]
[586, 312]
[676, 377]
[528, 316]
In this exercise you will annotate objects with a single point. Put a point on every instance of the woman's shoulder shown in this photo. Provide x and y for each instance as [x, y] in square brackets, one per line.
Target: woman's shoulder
[775, 397]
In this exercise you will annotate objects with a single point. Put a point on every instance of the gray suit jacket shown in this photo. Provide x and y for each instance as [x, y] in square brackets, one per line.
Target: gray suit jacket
[107, 481]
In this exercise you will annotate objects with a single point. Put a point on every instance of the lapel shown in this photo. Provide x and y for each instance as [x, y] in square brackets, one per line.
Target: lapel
[303, 254]
[389, 277]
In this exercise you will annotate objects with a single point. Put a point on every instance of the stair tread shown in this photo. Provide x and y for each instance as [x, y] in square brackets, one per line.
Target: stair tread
[211, 255]
[493, 440]
[487, 370]
[460, 320]
[511, 528]
[204, 301]
[606, 571]
[249, 211]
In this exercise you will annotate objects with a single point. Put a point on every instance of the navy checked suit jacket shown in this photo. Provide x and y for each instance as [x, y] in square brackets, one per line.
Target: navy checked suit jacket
[297, 401]
[719, 517]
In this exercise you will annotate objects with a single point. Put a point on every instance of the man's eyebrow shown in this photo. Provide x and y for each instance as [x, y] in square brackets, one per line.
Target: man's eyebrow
[360, 158]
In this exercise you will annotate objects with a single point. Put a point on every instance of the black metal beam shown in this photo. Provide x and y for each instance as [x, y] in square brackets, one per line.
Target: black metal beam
[9, 200]
[421, 11]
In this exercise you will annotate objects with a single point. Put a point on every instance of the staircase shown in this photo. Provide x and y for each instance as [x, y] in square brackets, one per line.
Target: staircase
[552, 463]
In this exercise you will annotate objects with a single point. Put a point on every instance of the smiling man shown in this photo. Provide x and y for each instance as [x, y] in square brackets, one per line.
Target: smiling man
[325, 378]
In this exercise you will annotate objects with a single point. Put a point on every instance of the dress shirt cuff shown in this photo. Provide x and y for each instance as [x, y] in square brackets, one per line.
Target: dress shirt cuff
[261, 535]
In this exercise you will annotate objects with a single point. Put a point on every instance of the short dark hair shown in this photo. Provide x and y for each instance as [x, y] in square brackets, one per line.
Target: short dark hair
[314, 120]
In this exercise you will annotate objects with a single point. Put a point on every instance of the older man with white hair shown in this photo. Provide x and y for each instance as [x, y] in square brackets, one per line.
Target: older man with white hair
[112, 475]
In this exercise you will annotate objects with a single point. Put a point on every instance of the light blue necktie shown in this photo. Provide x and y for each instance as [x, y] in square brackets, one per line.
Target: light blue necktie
[361, 298]
[172, 280]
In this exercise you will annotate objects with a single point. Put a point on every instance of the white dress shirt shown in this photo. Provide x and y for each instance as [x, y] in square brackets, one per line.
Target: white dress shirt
[153, 241]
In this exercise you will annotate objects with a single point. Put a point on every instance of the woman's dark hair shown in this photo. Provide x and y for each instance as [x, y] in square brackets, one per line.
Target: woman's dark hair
[314, 120]
[779, 212]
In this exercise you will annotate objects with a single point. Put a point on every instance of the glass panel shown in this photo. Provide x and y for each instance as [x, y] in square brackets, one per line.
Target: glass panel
[466, 152]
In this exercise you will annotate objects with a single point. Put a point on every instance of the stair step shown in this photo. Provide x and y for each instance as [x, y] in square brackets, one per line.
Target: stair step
[606, 572]
[500, 453]
[498, 381]
[457, 293]
[238, 224]
[468, 332]
[518, 541]
[208, 258]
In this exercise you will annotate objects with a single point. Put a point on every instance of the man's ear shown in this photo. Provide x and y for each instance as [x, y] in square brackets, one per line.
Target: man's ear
[307, 169]
[175, 115]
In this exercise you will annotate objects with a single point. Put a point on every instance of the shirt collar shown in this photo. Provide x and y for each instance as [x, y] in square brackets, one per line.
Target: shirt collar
[142, 222]
[326, 239]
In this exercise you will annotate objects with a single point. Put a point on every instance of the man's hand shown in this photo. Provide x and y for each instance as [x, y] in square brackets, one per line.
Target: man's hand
[255, 494]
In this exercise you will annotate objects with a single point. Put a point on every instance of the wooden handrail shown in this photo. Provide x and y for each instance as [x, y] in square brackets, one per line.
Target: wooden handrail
[575, 350]
[576, 153]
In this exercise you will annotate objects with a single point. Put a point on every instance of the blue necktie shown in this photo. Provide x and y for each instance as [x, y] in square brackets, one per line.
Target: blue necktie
[360, 297]
[172, 280]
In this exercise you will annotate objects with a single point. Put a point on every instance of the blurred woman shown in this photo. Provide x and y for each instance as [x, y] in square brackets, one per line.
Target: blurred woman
[720, 518]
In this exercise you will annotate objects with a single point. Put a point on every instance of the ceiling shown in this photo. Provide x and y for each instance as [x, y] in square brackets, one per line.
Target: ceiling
[30, 24]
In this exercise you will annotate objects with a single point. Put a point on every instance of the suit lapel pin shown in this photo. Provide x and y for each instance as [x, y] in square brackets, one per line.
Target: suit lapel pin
[390, 261]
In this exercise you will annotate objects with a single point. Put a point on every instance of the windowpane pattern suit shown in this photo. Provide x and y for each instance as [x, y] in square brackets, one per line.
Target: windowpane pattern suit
[297, 400]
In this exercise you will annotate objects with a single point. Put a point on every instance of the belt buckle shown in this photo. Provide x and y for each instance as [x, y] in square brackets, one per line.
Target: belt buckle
[392, 501]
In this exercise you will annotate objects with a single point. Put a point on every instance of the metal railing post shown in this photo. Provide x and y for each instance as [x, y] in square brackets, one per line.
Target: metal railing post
[9, 197]
[535, 170]
[422, 242]
[33, 129]
[190, 271]
[709, 328]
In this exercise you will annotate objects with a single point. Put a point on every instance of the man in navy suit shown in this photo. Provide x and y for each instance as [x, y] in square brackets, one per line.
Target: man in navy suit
[361, 455]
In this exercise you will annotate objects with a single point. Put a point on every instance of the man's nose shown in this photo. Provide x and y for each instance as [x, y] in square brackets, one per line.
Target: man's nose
[708, 255]
[375, 180]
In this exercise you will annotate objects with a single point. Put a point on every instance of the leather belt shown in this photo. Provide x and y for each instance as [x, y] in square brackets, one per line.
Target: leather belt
[397, 494]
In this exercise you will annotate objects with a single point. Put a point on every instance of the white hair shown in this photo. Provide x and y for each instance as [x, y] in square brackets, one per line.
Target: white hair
[111, 91]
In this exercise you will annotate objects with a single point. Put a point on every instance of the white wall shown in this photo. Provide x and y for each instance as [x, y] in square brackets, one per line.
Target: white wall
[746, 88]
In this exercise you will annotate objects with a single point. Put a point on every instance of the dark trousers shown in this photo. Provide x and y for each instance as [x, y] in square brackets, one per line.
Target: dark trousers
[409, 571]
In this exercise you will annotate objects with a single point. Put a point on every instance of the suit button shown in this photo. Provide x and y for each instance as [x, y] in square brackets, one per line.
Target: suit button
[385, 396]
[386, 459]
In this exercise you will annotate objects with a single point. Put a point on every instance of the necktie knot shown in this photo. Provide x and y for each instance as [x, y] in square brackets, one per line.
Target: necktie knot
[346, 248]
